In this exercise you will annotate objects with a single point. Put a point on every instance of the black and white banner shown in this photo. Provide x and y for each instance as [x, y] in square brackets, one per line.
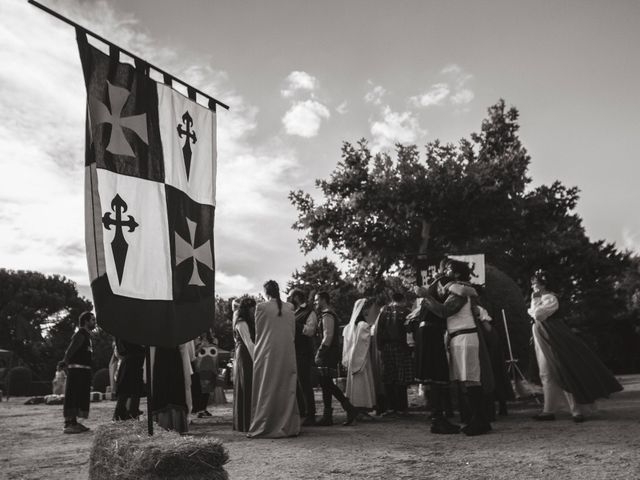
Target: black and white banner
[150, 203]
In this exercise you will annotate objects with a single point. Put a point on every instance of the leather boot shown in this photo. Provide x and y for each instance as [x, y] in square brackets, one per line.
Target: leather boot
[479, 423]
[352, 413]
[309, 421]
[441, 425]
[327, 418]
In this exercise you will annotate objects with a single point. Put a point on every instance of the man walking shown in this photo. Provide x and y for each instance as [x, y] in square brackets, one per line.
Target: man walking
[327, 358]
[306, 324]
[77, 360]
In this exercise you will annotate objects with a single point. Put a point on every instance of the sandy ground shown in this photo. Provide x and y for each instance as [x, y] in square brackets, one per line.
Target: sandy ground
[605, 447]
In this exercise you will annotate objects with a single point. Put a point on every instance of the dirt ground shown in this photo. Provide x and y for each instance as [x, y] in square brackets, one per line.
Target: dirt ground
[605, 447]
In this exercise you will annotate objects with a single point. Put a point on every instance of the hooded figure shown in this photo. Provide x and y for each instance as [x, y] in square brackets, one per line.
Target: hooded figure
[356, 356]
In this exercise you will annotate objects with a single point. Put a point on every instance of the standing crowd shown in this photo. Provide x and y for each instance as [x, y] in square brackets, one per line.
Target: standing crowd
[445, 341]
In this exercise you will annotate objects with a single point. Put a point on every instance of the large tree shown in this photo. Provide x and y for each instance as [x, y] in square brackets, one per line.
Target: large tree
[37, 316]
[473, 197]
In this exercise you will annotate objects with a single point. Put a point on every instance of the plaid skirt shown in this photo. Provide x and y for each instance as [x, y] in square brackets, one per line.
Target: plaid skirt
[397, 364]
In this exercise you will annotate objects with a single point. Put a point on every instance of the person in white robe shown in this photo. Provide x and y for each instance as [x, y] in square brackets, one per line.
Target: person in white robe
[274, 408]
[357, 359]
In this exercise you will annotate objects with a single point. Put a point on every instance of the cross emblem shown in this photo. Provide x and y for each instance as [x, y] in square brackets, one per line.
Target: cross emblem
[190, 136]
[187, 249]
[119, 245]
[118, 144]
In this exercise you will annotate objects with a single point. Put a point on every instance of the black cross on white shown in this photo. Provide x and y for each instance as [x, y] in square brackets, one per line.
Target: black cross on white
[187, 249]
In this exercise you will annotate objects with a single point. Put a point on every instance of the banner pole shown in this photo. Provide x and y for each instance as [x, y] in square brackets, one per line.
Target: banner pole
[147, 354]
[135, 57]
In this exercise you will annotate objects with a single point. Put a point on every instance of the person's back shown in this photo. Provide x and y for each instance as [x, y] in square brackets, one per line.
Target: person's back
[274, 405]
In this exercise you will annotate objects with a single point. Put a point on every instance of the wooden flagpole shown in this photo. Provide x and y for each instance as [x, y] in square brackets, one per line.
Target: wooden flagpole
[212, 101]
[147, 354]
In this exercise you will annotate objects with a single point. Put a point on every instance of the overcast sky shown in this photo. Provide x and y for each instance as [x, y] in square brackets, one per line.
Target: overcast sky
[303, 76]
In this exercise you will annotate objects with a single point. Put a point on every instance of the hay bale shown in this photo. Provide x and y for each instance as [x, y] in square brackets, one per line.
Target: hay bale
[124, 451]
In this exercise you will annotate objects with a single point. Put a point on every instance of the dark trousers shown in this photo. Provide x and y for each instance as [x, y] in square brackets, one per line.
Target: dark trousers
[397, 397]
[127, 408]
[329, 390]
[304, 392]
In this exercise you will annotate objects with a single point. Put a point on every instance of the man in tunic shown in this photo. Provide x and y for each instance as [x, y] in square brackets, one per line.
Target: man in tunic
[77, 360]
[306, 324]
[129, 383]
[468, 357]
[273, 402]
[326, 361]
[397, 364]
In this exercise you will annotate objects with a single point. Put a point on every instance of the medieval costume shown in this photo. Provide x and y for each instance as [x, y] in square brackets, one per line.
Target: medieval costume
[59, 380]
[129, 384]
[306, 324]
[273, 401]
[244, 334]
[326, 367]
[469, 361]
[432, 364]
[205, 373]
[171, 386]
[397, 364]
[77, 391]
[357, 359]
[567, 366]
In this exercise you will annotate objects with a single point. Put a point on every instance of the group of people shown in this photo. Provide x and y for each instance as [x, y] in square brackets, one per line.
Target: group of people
[284, 348]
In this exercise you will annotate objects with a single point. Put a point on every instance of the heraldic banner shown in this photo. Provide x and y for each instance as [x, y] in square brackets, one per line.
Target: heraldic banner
[149, 203]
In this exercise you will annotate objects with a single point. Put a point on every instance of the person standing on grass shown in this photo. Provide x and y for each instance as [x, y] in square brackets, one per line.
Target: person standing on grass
[77, 360]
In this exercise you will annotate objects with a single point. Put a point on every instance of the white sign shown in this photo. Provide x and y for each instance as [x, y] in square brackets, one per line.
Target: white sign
[476, 264]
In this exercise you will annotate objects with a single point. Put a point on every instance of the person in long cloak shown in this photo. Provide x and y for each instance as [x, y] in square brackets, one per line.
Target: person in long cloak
[356, 357]
[567, 366]
[129, 383]
[244, 333]
[274, 406]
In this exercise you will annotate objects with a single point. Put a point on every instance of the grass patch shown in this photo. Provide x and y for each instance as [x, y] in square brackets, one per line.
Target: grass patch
[124, 451]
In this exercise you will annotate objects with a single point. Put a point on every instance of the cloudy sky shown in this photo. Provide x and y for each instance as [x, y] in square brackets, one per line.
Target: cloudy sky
[303, 76]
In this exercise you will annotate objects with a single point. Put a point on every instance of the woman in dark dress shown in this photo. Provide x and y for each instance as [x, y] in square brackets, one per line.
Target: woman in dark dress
[244, 332]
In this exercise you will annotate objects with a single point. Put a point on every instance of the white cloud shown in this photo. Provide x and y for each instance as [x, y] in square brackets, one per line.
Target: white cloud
[343, 108]
[434, 96]
[462, 97]
[452, 68]
[304, 118]
[395, 127]
[631, 240]
[298, 80]
[375, 95]
[42, 113]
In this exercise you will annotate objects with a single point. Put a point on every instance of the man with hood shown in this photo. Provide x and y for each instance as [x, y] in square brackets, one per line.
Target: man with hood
[468, 358]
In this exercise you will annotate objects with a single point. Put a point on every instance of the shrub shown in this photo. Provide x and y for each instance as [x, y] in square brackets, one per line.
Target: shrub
[123, 450]
[19, 381]
[100, 380]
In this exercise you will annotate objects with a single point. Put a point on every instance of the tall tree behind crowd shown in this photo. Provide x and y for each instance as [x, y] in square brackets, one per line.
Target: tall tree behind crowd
[472, 197]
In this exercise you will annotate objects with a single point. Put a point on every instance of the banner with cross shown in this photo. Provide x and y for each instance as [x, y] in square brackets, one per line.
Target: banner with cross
[150, 203]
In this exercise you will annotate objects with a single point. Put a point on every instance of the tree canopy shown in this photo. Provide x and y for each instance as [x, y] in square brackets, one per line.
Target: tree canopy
[377, 212]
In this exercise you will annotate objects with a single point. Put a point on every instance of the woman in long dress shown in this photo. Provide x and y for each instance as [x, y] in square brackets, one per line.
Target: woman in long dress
[244, 331]
[567, 366]
[356, 357]
[274, 409]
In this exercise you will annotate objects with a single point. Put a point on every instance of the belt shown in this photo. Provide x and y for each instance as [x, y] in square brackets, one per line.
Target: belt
[77, 365]
[462, 332]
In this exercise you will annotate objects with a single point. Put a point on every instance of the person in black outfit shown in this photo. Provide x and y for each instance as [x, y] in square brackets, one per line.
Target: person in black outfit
[129, 383]
[306, 324]
[326, 360]
[77, 360]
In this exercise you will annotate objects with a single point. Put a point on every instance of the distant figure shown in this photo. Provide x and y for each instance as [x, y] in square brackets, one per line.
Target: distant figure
[205, 373]
[397, 364]
[326, 362]
[273, 402]
[77, 360]
[59, 380]
[567, 366]
[129, 383]
[306, 325]
[244, 334]
[357, 359]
